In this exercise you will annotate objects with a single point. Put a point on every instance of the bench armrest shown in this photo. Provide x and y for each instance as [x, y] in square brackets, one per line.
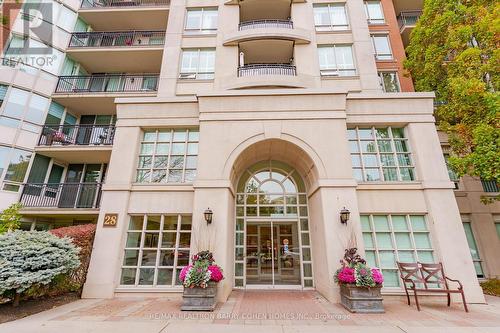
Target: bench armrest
[457, 281]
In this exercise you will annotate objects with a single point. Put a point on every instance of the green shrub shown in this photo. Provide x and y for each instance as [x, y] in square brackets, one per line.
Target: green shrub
[32, 259]
[491, 287]
[10, 219]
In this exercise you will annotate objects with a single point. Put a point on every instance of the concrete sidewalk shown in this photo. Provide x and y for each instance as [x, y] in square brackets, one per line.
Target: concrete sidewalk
[257, 311]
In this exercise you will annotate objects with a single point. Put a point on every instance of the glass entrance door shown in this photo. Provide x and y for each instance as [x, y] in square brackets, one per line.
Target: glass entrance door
[272, 254]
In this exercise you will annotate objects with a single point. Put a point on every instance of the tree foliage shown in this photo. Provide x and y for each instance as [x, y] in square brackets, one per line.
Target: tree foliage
[10, 219]
[454, 51]
[30, 258]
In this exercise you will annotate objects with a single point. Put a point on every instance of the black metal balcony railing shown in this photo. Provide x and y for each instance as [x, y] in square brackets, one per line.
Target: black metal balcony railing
[80, 135]
[256, 24]
[409, 18]
[267, 69]
[490, 186]
[61, 195]
[110, 83]
[117, 39]
[123, 3]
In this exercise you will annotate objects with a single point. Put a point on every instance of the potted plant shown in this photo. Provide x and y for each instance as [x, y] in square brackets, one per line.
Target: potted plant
[200, 283]
[359, 284]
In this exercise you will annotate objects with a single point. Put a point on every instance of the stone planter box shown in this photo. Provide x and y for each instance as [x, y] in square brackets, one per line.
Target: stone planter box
[361, 299]
[199, 299]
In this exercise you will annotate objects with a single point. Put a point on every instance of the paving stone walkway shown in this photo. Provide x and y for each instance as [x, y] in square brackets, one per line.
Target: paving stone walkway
[258, 311]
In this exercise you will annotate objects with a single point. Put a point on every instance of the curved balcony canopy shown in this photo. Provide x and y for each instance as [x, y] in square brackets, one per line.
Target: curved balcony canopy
[267, 29]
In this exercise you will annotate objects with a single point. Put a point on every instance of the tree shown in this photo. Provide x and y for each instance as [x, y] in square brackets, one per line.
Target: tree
[30, 258]
[454, 50]
[10, 219]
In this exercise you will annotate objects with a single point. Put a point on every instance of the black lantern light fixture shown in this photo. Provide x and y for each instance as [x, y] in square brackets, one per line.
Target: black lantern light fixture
[344, 215]
[208, 215]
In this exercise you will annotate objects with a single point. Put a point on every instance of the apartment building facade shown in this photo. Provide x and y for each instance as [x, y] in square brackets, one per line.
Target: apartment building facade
[273, 116]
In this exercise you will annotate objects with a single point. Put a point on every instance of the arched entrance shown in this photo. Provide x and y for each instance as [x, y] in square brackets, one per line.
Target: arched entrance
[272, 242]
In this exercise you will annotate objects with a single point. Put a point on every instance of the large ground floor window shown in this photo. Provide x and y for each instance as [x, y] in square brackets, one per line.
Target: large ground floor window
[156, 249]
[392, 238]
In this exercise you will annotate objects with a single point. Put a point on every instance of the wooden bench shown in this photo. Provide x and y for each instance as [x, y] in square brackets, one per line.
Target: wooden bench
[431, 277]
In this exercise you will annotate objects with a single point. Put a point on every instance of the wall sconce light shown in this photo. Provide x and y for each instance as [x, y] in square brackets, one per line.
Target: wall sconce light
[208, 215]
[344, 215]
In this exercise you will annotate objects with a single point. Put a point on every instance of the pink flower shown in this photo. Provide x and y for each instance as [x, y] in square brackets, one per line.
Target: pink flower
[346, 275]
[377, 276]
[216, 273]
[184, 270]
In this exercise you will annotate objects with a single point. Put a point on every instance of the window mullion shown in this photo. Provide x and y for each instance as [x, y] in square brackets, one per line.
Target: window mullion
[176, 250]
[377, 152]
[158, 246]
[169, 154]
[395, 154]
[186, 142]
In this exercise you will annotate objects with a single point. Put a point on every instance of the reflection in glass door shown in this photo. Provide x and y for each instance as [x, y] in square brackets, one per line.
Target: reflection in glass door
[272, 254]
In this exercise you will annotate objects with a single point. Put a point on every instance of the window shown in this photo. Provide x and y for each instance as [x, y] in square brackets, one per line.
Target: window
[389, 81]
[22, 105]
[16, 161]
[497, 225]
[198, 64]
[336, 60]
[392, 238]
[382, 47]
[201, 20]
[16, 53]
[453, 176]
[380, 154]
[471, 241]
[156, 249]
[3, 92]
[168, 156]
[490, 186]
[330, 17]
[374, 12]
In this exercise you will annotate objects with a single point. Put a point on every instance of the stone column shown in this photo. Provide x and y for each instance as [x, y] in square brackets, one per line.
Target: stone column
[443, 217]
[218, 236]
[329, 237]
[105, 265]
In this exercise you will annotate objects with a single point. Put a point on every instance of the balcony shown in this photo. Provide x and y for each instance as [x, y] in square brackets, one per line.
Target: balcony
[256, 24]
[107, 83]
[95, 94]
[407, 20]
[269, 76]
[125, 14]
[266, 69]
[61, 195]
[77, 143]
[121, 51]
[79, 135]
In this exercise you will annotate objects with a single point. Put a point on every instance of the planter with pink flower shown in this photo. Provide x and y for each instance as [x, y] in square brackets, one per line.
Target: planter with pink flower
[200, 283]
[360, 284]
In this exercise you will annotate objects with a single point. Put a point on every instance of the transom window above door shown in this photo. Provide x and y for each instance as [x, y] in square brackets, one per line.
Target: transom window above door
[273, 189]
